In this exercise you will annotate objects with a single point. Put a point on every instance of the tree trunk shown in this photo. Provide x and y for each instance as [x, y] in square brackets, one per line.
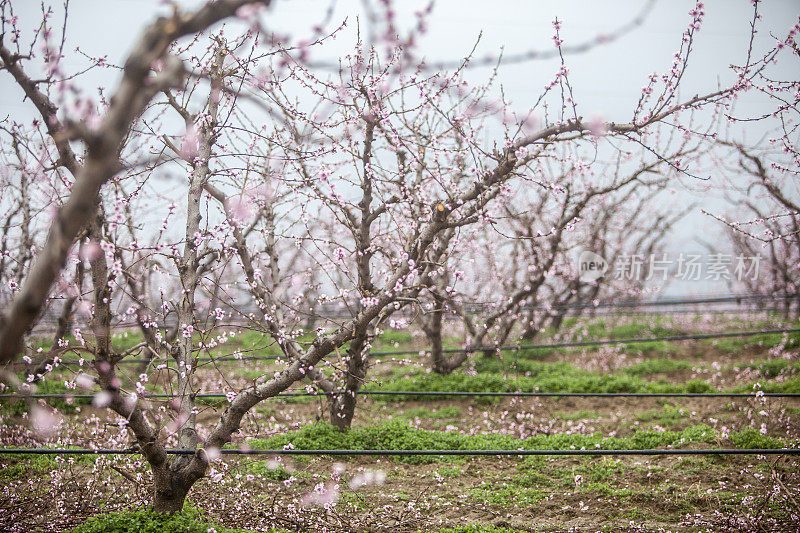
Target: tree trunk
[441, 363]
[343, 406]
[170, 489]
[557, 321]
[432, 326]
[531, 325]
[170, 501]
[499, 339]
[343, 409]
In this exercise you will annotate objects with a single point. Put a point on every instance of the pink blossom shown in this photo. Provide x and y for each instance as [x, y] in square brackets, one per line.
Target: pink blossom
[43, 421]
[249, 11]
[101, 399]
[240, 207]
[190, 143]
[369, 477]
[84, 381]
[90, 251]
[322, 496]
[597, 126]
[213, 454]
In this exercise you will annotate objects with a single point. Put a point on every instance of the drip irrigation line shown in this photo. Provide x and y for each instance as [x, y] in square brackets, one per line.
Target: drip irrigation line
[212, 395]
[599, 342]
[567, 344]
[671, 301]
[185, 451]
[607, 305]
[49, 327]
[593, 394]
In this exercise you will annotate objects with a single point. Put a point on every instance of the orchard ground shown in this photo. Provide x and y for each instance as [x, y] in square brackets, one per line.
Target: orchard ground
[485, 494]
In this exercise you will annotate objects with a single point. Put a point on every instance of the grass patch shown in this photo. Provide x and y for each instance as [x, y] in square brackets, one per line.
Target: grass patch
[14, 471]
[16, 407]
[268, 470]
[788, 386]
[535, 480]
[656, 366]
[659, 347]
[578, 415]
[477, 528]
[450, 471]
[602, 329]
[766, 340]
[146, 521]
[753, 439]
[445, 413]
[120, 341]
[394, 337]
[600, 471]
[545, 377]
[21, 466]
[772, 367]
[256, 343]
[353, 501]
[667, 415]
[396, 435]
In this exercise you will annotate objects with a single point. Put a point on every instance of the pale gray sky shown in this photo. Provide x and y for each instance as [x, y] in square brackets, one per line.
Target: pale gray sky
[607, 79]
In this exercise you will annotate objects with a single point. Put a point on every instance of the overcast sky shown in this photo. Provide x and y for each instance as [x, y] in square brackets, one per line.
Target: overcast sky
[607, 79]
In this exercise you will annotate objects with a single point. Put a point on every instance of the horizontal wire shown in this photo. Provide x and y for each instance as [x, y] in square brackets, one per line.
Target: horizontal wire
[607, 305]
[571, 344]
[673, 301]
[184, 451]
[448, 393]
[568, 344]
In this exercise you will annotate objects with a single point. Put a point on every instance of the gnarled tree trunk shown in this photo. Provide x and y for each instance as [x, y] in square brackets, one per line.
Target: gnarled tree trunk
[343, 406]
[432, 326]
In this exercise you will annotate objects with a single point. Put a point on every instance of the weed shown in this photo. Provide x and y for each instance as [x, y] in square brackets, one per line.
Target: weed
[146, 521]
[664, 416]
[788, 386]
[15, 407]
[773, 367]
[450, 471]
[268, 470]
[475, 528]
[396, 435]
[578, 415]
[656, 366]
[766, 340]
[753, 439]
[555, 377]
[599, 471]
[449, 412]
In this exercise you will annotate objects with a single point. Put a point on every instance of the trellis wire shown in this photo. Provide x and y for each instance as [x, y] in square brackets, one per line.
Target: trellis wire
[609, 305]
[448, 393]
[567, 344]
[676, 301]
[184, 451]
[49, 326]
[599, 342]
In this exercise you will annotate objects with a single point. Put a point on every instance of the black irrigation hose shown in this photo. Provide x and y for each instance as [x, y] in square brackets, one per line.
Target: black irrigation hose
[184, 451]
[569, 344]
[674, 301]
[624, 304]
[575, 344]
[459, 394]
